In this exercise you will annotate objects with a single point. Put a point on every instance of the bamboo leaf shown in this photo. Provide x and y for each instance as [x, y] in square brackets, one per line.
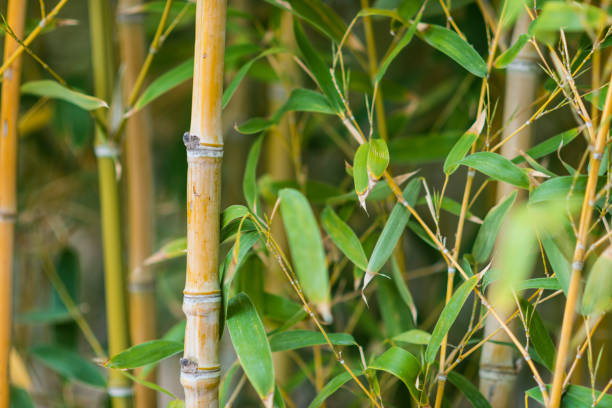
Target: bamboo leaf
[540, 283]
[164, 83]
[279, 308]
[601, 93]
[249, 182]
[576, 396]
[226, 384]
[487, 234]
[319, 69]
[173, 249]
[448, 316]
[378, 158]
[510, 54]
[69, 364]
[597, 298]
[344, 237]
[251, 345]
[52, 89]
[144, 353]
[20, 398]
[549, 145]
[392, 231]
[296, 339]
[414, 336]
[306, 249]
[453, 46]
[538, 335]
[557, 187]
[559, 263]
[360, 172]
[571, 17]
[53, 315]
[463, 145]
[468, 389]
[402, 364]
[332, 386]
[233, 213]
[497, 167]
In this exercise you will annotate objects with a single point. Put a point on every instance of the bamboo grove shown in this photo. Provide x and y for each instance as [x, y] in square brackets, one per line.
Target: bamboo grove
[306, 203]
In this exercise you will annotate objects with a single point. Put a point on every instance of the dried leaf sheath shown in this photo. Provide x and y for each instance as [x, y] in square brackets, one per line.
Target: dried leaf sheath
[139, 197]
[204, 143]
[8, 186]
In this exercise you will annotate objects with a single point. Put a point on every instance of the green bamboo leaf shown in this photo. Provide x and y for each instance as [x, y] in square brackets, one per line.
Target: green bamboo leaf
[401, 44]
[448, 316]
[344, 237]
[416, 149]
[251, 345]
[148, 384]
[255, 125]
[231, 88]
[249, 182]
[279, 308]
[576, 396]
[306, 249]
[601, 93]
[463, 145]
[402, 288]
[319, 69]
[402, 364]
[52, 89]
[468, 389]
[549, 145]
[296, 339]
[145, 353]
[176, 404]
[360, 172]
[304, 100]
[53, 315]
[414, 336]
[226, 384]
[510, 54]
[233, 213]
[164, 83]
[392, 231]
[540, 283]
[69, 364]
[558, 187]
[597, 298]
[571, 17]
[20, 398]
[538, 335]
[453, 46]
[378, 158]
[487, 234]
[497, 167]
[559, 263]
[173, 249]
[332, 386]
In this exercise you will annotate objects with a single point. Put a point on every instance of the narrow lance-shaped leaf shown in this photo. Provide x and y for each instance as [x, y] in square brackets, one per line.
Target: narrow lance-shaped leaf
[145, 353]
[576, 396]
[164, 83]
[498, 168]
[538, 335]
[391, 232]
[559, 263]
[378, 158]
[53, 89]
[597, 296]
[69, 364]
[487, 234]
[510, 54]
[455, 47]
[296, 339]
[464, 144]
[360, 173]
[468, 389]
[249, 182]
[20, 398]
[401, 364]
[332, 386]
[448, 316]
[173, 249]
[413, 336]
[306, 249]
[251, 345]
[344, 237]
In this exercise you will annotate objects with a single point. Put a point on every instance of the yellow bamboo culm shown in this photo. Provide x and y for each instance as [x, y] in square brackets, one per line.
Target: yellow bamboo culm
[119, 387]
[139, 197]
[497, 363]
[200, 367]
[8, 186]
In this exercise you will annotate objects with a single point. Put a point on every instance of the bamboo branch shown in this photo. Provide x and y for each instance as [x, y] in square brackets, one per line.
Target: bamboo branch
[9, 113]
[200, 367]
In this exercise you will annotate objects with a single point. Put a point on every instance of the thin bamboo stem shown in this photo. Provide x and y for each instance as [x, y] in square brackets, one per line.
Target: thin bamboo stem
[586, 215]
[119, 387]
[9, 113]
[139, 197]
[497, 370]
[200, 368]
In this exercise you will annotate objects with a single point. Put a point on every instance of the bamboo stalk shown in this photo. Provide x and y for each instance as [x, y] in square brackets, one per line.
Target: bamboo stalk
[586, 215]
[497, 369]
[139, 198]
[119, 387]
[200, 368]
[9, 113]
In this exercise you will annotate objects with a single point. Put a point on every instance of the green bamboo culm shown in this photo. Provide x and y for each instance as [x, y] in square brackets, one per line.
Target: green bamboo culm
[119, 386]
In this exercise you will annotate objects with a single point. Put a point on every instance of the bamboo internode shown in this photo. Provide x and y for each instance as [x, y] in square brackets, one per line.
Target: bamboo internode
[200, 368]
[139, 197]
[8, 186]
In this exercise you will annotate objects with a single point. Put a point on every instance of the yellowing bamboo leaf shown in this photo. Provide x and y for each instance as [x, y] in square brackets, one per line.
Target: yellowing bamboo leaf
[52, 89]
[306, 249]
[173, 249]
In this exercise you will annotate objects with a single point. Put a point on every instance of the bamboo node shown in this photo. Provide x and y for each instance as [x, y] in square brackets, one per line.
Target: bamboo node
[471, 173]
[523, 65]
[120, 392]
[441, 377]
[130, 16]
[196, 299]
[197, 149]
[597, 156]
[8, 74]
[578, 265]
[106, 150]
[451, 270]
[200, 374]
[8, 216]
